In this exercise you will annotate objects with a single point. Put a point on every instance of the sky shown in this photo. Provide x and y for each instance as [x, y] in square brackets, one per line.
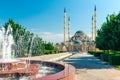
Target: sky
[45, 17]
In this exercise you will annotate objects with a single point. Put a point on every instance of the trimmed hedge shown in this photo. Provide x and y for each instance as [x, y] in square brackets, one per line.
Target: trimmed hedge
[96, 53]
[62, 51]
[91, 52]
[113, 59]
[56, 51]
[105, 57]
[50, 51]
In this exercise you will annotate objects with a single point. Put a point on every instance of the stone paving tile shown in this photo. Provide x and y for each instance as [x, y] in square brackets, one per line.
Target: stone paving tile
[90, 68]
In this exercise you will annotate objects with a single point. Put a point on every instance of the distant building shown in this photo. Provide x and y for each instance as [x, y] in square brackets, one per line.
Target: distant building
[60, 47]
[80, 41]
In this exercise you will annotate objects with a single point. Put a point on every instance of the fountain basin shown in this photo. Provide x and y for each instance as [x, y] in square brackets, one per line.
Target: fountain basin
[67, 72]
[18, 70]
[18, 67]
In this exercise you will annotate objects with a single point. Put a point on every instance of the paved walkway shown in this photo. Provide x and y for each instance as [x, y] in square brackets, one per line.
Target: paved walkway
[90, 68]
[50, 57]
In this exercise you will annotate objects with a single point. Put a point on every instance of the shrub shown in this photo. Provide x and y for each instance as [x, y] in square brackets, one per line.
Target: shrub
[96, 53]
[105, 57]
[56, 51]
[46, 51]
[51, 51]
[114, 59]
[91, 52]
[62, 51]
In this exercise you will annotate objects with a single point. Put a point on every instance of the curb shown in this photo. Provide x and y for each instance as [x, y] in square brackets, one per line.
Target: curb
[61, 57]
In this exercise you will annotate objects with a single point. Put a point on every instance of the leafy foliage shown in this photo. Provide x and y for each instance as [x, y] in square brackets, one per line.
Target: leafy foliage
[109, 35]
[49, 46]
[27, 42]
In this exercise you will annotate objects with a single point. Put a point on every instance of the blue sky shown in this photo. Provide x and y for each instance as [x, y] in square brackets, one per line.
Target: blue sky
[45, 17]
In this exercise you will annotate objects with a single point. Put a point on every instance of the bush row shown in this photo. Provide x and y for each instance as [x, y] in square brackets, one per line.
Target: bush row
[113, 59]
[50, 51]
[96, 53]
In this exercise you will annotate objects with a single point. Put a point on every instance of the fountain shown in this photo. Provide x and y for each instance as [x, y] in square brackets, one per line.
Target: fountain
[8, 65]
[19, 69]
[6, 43]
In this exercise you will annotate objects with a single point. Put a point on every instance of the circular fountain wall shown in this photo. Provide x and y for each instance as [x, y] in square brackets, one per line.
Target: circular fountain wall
[42, 71]
[63, 71]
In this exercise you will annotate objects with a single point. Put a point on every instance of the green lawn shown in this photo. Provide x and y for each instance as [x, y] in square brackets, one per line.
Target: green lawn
[117, 67]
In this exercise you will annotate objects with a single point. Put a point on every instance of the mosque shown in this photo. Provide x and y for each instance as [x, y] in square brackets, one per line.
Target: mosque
[79, 41]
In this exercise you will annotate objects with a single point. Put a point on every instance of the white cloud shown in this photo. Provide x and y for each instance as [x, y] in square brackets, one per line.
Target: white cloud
[89, 35]
[51, 37]
[46, 33]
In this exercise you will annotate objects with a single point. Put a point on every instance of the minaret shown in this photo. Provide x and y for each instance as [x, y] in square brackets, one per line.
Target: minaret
[69, 29]
[94, 32]
[64, 25]
[92, 28]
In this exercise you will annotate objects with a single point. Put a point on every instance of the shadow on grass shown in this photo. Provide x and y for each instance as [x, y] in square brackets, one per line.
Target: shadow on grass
[87, 62]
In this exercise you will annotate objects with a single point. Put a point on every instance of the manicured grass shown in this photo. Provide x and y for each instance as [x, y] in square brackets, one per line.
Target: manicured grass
[117, 67]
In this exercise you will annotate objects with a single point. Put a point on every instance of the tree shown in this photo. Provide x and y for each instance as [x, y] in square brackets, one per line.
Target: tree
[49, 46]
[23, 40]
[108, 36]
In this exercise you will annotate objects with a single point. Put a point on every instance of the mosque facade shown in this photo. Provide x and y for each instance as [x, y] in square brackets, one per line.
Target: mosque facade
[79, 41]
